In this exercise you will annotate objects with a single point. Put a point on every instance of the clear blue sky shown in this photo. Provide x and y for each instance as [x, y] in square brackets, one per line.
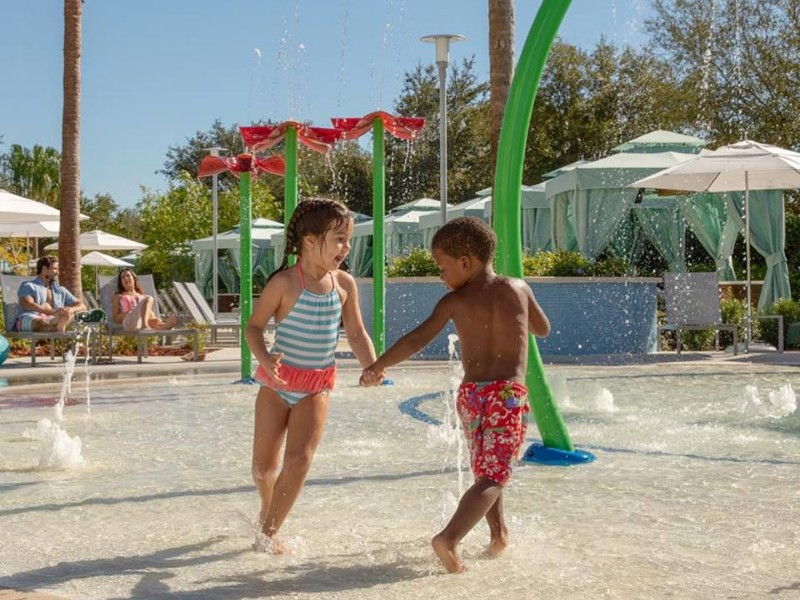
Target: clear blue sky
[157, 71]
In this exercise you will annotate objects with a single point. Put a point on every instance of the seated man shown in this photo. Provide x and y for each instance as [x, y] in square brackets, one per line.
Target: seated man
[44, 305]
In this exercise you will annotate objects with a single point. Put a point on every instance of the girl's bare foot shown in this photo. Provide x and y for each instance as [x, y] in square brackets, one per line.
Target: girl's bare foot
[447, 554]
[497, 543]
[162, 325]
[268, 545]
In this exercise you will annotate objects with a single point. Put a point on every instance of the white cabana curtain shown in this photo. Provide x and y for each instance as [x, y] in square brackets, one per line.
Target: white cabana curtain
[715, 222]
[562, 234]
[768, 237]
[592, 215]
[663, 224]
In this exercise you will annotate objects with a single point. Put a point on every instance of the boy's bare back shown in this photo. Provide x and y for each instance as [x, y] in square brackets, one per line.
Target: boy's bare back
[492, 316]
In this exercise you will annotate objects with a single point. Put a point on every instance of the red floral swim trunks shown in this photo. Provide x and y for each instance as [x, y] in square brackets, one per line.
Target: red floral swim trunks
[494, 416]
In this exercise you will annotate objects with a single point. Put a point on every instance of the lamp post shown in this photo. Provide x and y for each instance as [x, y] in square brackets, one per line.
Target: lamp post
[442, 41]
[214, 151]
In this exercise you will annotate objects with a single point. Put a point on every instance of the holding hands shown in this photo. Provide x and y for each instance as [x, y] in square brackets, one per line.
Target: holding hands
[371, 376]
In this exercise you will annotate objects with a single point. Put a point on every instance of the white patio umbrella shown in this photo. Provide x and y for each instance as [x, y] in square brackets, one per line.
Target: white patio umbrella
[30, 229]
[743, 166]
[15, 208]
[98, 259]
[101, 240]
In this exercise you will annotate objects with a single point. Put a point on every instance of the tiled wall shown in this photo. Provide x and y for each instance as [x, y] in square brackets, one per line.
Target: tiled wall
[588, 317]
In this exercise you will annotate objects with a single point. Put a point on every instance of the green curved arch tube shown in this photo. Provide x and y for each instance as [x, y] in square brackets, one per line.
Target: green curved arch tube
[507, 202]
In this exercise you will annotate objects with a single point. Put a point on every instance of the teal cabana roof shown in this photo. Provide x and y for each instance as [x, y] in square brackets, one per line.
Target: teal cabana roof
[615, 171]
[261, 233]
[662, 141]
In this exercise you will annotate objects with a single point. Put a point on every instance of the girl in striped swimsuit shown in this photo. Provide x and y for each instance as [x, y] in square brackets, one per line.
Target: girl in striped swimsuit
[307, 302]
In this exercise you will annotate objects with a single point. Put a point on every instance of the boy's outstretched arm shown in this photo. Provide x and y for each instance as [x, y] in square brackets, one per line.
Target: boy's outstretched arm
[538, 323]
[411, 343]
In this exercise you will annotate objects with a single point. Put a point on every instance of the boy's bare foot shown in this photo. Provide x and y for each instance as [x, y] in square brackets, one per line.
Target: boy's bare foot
[497, 545]
[447, 554]
[172, 320]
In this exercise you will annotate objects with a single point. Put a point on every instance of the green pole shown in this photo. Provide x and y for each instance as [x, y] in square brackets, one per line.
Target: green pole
[290, 181]
[507, 202]
[378, 245]
[246, 270]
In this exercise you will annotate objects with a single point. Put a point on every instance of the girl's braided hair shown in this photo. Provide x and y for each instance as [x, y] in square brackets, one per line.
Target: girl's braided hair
[313, 216]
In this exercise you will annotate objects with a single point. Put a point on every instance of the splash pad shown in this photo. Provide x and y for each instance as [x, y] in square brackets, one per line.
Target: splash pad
[695, 490]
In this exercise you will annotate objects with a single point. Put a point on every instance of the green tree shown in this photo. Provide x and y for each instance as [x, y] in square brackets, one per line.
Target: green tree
[737, 64]
[590, 101]
[33, 172]
[186, 158]
[170, 221]
[345, 175]
[412, 170]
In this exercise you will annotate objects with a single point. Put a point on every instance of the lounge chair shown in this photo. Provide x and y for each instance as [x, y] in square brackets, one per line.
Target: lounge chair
[90, 301]
[168, 302]
[199, 310]
[108, 287]
[693, 303]
[10, 284]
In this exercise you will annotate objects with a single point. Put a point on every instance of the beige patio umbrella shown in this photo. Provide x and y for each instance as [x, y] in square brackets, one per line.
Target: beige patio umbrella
[742, 166]
[98, 259]
[101, 240]
[14, 209]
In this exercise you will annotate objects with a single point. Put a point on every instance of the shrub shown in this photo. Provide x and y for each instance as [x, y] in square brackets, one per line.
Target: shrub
[562, 263]
[790, 310]
[417, 263]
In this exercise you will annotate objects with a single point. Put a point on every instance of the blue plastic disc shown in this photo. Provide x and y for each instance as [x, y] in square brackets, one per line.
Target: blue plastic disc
[387, 382]
[538, 453]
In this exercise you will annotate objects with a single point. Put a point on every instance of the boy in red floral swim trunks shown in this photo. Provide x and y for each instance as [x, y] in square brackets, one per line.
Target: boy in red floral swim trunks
[492, 315]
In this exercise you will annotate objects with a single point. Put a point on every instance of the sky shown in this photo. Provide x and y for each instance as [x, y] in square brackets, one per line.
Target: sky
[155, 72]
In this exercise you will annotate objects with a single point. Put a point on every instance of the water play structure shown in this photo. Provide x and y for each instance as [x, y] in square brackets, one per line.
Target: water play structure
[507, 199]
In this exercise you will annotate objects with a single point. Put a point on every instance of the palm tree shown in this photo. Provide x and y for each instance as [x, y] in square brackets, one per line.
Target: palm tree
[68, 250]
[501, 67]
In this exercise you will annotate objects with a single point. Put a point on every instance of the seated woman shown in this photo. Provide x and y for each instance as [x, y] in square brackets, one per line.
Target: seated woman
[133, 309]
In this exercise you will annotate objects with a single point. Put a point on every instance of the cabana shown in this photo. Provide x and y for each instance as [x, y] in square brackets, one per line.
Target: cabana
[228, 245]
[401, 233]
[535, 217]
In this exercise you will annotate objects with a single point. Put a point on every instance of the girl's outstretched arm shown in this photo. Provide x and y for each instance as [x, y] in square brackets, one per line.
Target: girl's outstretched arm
[357, 337]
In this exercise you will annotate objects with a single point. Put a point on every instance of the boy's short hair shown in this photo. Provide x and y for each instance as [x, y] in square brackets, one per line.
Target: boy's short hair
[466, 236]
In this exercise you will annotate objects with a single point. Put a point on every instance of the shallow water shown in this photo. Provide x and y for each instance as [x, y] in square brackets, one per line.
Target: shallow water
[693, 495]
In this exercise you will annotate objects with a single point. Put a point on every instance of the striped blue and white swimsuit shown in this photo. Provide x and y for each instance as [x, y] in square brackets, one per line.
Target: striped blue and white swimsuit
[307, 337]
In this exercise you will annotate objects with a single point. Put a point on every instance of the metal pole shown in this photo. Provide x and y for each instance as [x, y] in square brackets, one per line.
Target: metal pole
[214, 151]
[748, 320]
[442, 41]
[443, 137]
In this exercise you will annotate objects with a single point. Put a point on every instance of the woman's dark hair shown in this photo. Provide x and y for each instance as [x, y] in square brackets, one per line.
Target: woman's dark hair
[313, 216]
[136, 285]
